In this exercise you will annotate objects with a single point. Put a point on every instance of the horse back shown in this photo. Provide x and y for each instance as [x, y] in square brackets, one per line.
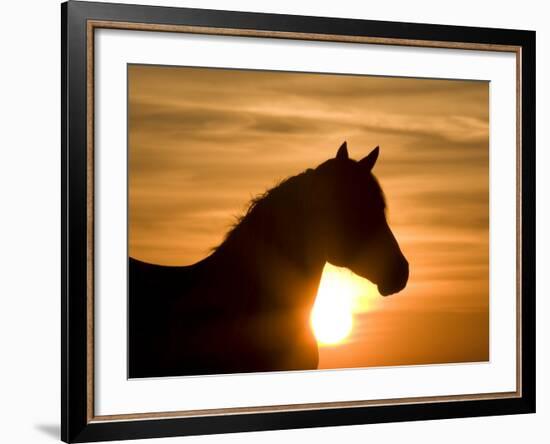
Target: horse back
[153, 292]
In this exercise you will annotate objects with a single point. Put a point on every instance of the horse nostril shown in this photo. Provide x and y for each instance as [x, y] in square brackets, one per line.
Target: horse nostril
[401, 274]
[404, 272]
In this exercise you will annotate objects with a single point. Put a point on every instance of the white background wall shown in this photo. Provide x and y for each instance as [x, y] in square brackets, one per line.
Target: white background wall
[30, 208]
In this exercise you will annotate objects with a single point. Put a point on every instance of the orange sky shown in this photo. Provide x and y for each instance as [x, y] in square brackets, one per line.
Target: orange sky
[202, 142]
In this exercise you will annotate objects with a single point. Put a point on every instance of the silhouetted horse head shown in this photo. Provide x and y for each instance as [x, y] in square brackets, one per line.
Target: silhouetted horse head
[350, 208]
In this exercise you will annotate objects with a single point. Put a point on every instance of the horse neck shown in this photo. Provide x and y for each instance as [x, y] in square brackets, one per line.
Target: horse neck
[282, 222]
[280, 227]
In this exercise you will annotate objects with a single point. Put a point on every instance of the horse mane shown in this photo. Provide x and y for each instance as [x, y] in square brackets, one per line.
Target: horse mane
[283, 191]
[262, 202]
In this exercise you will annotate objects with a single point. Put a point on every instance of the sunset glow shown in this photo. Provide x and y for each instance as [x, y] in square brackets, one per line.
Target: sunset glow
[341, 294]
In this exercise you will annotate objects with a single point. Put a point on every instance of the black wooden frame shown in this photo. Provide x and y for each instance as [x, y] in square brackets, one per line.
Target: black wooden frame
[76, 425]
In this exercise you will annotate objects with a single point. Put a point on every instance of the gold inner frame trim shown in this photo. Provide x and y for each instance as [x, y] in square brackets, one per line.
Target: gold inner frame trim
[97, 24]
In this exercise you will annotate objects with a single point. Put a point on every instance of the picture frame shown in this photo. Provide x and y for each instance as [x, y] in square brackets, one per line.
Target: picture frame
[79, 179]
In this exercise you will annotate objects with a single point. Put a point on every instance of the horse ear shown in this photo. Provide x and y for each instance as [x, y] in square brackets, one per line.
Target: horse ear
[342, 153]
[369, 161]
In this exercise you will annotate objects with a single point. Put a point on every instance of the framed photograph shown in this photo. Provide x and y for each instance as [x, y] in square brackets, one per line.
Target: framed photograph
[275, 221]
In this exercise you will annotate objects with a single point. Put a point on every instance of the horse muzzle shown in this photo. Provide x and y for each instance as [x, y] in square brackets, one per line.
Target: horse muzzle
[396, 280]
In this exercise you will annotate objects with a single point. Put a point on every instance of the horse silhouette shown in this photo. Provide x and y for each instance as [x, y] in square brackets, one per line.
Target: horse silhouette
[246, 307]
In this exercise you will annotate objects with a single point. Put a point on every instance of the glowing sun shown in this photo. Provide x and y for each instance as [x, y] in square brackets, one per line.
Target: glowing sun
[341, 293]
